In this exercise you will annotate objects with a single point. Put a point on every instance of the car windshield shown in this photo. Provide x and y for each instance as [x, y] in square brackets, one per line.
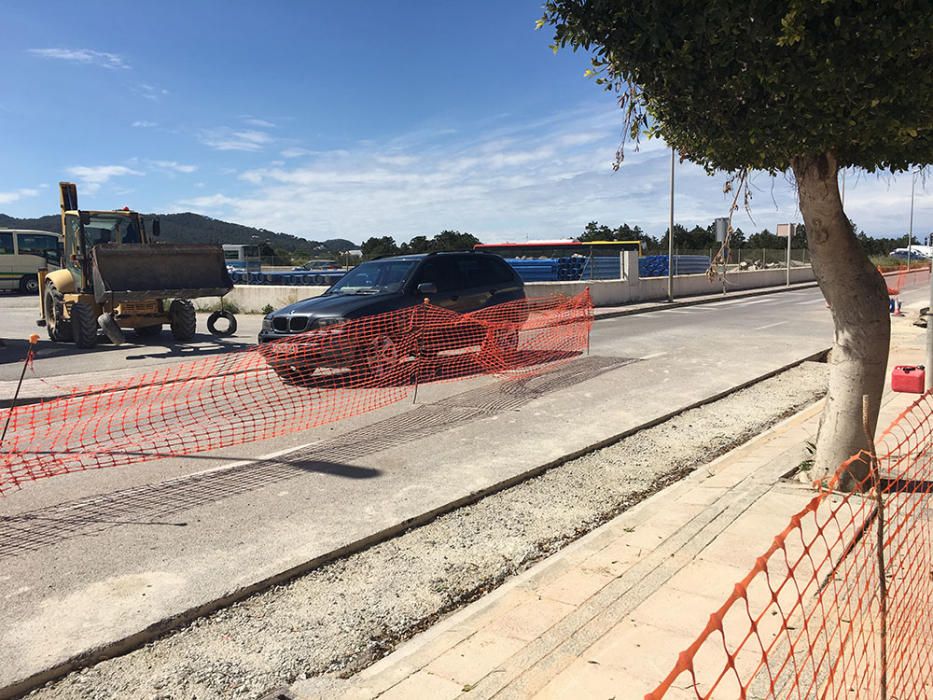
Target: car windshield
[375, 277]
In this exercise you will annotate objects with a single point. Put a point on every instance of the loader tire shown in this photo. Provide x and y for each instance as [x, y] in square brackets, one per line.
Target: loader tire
[83, 325]
[53, 304]
[182, 319]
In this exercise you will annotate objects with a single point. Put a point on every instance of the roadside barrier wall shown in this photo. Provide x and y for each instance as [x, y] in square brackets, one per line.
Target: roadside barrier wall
[252, 298]
[286, 386]
[619, 292]
[841, 603]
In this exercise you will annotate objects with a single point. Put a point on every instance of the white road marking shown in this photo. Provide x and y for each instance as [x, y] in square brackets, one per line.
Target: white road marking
[653, 355]
[770, 325]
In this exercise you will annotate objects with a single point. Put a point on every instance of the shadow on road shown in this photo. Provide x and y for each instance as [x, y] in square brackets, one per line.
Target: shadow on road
[14, 350]
[151, 504]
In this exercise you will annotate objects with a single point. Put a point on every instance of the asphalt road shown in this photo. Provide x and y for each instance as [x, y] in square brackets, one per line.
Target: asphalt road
[18, 315]
[96, 556]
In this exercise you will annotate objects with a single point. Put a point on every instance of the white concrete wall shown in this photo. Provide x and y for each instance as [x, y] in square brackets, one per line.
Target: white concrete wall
[252, 298]
[617, 292]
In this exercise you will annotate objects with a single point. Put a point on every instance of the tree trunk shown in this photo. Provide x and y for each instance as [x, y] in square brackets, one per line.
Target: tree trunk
[857, 294]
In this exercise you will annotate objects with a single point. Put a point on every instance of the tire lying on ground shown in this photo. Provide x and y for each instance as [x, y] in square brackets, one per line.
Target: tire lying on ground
[216, 316]
[182, 319]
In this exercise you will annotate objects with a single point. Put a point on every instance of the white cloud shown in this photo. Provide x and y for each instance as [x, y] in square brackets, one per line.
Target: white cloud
[209, 203]
[92, 177]
[16, 195]
[87, 56]
[540, 179]
[143, 124]
[227, 139]
[261, 123]
[296, 152]
[174, 166]
[151, 92]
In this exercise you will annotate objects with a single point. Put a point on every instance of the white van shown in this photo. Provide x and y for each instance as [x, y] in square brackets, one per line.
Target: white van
[22, 253]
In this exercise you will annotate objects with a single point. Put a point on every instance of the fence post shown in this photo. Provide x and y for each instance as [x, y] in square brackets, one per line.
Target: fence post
[875, 476]
[30, 350]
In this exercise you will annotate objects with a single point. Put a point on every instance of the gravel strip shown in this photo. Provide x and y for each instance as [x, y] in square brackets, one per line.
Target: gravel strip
[344, 616]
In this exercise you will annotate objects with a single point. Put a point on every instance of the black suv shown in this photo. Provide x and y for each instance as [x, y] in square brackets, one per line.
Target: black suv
[460, 282]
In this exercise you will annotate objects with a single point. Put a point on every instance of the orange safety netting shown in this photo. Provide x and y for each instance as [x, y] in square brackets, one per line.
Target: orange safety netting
[288, 385]
[841, 604]
[903, 278]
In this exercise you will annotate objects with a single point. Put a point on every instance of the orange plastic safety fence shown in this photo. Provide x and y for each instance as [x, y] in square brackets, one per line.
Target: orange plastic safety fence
[288, 385]
[901, 278]
[841, 604]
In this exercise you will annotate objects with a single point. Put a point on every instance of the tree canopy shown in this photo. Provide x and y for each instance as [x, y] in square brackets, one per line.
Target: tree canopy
[444, 241]
[754, 84]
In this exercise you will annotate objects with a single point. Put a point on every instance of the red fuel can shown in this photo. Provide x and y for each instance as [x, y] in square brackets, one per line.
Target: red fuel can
[908, 378]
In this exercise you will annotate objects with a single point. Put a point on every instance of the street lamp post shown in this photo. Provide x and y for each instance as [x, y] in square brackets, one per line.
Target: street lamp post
[670, 239]
[910, 230]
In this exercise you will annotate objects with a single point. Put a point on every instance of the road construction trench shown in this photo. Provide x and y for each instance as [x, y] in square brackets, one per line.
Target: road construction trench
[343, 616]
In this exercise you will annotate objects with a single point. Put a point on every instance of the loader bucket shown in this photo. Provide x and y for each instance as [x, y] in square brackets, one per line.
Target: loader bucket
[161, 270]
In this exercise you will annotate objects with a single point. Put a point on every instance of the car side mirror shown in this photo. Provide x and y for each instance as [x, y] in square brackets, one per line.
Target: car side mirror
[156, 228]
[427, 288]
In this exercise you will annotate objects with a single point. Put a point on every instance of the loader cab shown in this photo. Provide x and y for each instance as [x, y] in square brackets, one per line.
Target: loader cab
[86, 229]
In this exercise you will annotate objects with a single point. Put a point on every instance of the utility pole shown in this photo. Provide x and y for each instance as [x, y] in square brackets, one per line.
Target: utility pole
[910, 230]
[670, 239]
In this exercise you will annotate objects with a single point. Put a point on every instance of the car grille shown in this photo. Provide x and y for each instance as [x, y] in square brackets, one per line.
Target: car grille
[292, 324]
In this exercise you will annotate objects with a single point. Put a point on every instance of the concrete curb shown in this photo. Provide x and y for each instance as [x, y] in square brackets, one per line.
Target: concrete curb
[167, 625]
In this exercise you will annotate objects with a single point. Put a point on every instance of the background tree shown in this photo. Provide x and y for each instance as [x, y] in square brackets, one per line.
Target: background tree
[594, 231]
[737, 240]
[796, 85]
[418, 244]
[378, 246]
[766, 239]
[454, 240]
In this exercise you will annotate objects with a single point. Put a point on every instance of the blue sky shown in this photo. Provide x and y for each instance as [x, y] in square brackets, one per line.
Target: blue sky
[347, 119]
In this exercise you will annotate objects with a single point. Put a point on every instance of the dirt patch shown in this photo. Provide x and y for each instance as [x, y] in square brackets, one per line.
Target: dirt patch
[343, 616]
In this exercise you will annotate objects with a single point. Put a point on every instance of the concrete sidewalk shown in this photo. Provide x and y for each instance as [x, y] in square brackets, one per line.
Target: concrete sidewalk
[608, 616]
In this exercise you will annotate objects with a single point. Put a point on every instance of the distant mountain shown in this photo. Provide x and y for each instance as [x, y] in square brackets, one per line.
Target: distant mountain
[44, 223]
[340, 245]
[194, 228]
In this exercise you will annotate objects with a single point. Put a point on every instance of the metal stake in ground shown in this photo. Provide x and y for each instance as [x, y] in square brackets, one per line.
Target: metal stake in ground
[33, 339]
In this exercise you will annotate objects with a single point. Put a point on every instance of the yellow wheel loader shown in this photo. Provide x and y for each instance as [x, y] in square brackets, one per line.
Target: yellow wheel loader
[115, 276]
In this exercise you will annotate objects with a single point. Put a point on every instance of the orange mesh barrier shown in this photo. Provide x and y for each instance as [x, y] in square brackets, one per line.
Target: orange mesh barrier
[898, 278]
[288, 385]
[815, 617]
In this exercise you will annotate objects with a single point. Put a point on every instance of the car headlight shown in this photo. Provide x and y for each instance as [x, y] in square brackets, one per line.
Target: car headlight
[267, 323]
[325, 322]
